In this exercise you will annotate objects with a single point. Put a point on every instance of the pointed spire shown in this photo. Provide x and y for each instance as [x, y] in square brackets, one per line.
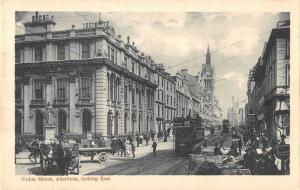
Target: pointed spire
[208, 56]
[208, 48]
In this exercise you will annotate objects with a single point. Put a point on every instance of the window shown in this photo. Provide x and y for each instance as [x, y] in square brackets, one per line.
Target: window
[125, 62]
[116, 89]
[167, 99]
[62, 88]
[86, 88]
[167, 85]
[288, 75]
[133, 96]
[112, 55]
[140, 98]
[111, 88]
[38, 53]
[108, 50]
[18, 91]
[139, 70]
[158, 91]
[132, 68]
[158, 109]
[85, 50]
[17, 52]
[287, 49]
[61, 52]
[38, 90]
[125, 94]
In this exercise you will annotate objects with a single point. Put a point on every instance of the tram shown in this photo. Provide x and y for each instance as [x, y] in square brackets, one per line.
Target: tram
[189, 135]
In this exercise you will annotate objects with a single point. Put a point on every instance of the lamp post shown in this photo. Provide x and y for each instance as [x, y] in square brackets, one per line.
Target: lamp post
[110, 118]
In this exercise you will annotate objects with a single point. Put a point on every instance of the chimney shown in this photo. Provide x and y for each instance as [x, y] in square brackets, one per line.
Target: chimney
[184, 71]
[128, 40]
[36, 16]
[133, 44]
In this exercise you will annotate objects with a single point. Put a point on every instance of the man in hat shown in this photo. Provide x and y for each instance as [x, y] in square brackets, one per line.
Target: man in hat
[154, 145]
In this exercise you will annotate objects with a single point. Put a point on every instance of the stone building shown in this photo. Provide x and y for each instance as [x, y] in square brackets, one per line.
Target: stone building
[81, 75]
[269, 85]
[183, 105]
[165, 98]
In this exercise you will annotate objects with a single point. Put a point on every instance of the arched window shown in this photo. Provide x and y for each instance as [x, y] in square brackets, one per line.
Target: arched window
[112, 87]
[18, 123]
[116, 89]
[108, 86]
[116, 124]
[86, 121]
[39, 122]
[133, 120]
[147, 125]
[62, 121]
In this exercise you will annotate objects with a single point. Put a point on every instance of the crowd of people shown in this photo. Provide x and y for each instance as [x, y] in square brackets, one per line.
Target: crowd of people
[260, 154]
[126, 145]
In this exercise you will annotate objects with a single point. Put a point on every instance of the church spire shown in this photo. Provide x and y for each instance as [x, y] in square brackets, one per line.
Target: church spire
[208, 55]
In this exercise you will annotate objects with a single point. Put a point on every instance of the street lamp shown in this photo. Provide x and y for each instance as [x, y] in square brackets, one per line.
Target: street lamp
[110, 118]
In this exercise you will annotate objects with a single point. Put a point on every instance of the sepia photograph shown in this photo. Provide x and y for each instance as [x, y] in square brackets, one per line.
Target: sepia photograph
[152, 93]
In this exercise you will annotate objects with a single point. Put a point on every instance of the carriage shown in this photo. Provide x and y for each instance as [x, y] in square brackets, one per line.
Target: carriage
[64, 156]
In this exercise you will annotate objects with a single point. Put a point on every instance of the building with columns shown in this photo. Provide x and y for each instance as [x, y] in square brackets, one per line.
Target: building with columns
[165, 104]
[81, 75]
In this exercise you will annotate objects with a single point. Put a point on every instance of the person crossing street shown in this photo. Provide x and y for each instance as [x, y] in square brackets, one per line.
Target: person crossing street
[154, 145]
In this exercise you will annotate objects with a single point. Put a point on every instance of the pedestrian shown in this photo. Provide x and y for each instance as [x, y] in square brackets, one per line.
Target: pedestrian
[154, 145]
[222, 143]
[147, 138]
[123, 147]
[141, 139]
[137, 140]
[240, 144]
[205, 142]
[132, 149]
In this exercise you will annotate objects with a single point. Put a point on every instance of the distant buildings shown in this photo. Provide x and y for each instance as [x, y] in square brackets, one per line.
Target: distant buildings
[269, 85]
[235, 114]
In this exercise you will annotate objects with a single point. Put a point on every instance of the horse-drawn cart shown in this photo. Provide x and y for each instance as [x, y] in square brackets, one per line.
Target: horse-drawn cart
[65, 156]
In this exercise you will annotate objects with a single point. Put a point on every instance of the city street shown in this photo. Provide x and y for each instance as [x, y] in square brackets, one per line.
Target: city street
[165, 163]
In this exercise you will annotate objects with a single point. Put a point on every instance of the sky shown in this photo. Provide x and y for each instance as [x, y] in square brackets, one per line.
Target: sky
[179, 40]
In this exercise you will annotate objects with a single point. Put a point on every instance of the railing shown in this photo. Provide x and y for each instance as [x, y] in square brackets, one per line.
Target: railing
[20, 38]
[85, 101]
[60, 102]
[85, 32]
[64, 34]
[38, 102]
[19, 102]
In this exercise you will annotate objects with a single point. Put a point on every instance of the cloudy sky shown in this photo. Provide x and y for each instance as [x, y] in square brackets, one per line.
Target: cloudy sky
[180, 40]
